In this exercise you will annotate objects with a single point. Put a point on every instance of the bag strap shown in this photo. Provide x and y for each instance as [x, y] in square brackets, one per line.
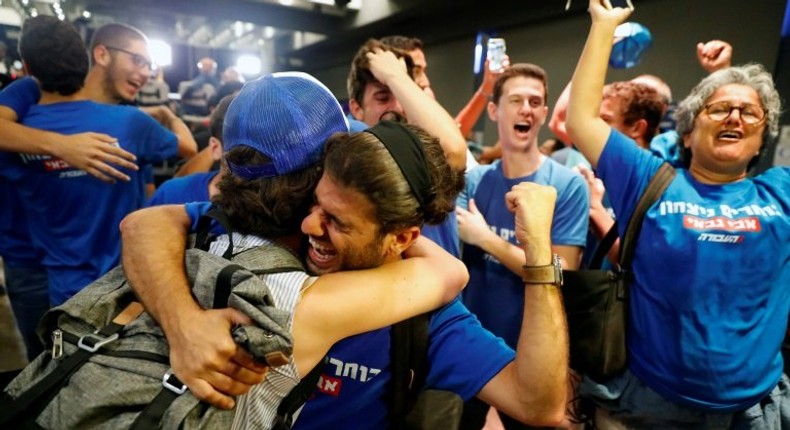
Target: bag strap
[151, 416]
[296, 398]
[206, 221]
[658, 184]
[409, 366]
[37, 397]
[603, 248]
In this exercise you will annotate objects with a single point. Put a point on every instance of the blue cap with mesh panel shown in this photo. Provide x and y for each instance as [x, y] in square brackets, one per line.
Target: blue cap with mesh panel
[285, 116]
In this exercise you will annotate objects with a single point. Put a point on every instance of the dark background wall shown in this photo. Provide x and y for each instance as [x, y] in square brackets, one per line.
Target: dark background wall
[753, 28]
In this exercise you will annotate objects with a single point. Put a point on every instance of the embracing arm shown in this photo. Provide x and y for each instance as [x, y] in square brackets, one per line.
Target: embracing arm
[346, 303]
[421, 109]
[533, 387]
[586, 129]
[91, 152]
[187, 147]
[202, 352]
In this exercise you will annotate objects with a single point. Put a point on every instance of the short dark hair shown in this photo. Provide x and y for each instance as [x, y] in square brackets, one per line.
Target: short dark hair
[54, 53]
[525, 70]
[402, 42]
[360, 75]
[218, 117]
[267, 207]
[116, 35]
[361, 162]
[639, 102]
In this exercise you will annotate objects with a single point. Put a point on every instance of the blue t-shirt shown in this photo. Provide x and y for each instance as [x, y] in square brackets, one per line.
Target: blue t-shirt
[494, 293]
[16, 246]
[710, 299]
[20, 96]
[186, 189]
[74, 217]
[351, 392]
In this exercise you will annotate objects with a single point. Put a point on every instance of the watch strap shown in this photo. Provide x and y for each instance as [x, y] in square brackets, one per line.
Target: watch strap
[550, 274]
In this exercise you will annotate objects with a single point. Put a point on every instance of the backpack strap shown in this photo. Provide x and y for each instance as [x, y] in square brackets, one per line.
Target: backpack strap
[203, 235]
[409, 366]
[37, 397]
[296, 398]
[151, 416]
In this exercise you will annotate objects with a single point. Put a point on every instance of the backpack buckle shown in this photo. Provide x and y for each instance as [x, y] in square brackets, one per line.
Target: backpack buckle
[172, 383]
[92, 342]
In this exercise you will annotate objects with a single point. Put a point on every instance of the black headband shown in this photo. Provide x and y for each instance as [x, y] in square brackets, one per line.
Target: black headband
[406, 148]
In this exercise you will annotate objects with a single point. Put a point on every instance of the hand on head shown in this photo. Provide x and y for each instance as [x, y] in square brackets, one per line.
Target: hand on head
[385, 65]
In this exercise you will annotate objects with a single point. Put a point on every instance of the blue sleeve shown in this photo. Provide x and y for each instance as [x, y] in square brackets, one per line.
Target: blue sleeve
[625, 170]
[463, 355]
[161, 196]
[195, 210]
[571, 214]
[20, 96]
[157, 143]
[667, 146]
[473, 178]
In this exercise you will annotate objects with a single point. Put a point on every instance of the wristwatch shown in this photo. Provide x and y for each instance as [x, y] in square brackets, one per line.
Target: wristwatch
[544, 275]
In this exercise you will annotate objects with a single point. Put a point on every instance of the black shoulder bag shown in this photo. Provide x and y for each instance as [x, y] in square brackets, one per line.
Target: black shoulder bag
[596, 301]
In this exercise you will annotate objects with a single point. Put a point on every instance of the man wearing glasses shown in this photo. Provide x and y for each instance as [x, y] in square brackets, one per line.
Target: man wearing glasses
[59, 224]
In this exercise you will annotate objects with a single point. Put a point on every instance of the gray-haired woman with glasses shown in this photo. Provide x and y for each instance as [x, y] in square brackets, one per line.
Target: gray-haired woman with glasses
[710, 295]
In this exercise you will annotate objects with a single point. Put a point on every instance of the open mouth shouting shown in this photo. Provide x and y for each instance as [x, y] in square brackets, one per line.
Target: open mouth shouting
[729, 135]
[522, 128]
[321, 257]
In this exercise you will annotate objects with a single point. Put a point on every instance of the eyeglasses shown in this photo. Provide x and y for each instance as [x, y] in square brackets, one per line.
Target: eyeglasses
[750, 114]
[138, 60]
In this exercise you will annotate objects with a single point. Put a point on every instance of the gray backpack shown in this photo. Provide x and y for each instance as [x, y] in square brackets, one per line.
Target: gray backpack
[109, 364]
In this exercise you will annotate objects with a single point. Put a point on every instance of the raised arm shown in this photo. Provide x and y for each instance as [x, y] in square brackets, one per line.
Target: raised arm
[202, 352]
[476, 105]
[94, 153]
[714, 55]
[587, 131]
[187, 147]
[532, 388]
[420, 108]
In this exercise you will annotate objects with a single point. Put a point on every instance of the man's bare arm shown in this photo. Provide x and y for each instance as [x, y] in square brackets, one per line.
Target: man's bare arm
[94, 153]
[533, 388]
[202, 352]
[187, 147]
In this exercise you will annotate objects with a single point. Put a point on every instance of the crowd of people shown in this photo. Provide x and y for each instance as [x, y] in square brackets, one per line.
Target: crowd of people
[393, 217]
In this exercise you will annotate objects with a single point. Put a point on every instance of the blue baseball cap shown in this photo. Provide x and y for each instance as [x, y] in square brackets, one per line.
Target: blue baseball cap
[285, 116]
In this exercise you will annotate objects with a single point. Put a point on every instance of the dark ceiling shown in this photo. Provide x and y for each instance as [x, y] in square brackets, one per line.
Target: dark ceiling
[303, 33]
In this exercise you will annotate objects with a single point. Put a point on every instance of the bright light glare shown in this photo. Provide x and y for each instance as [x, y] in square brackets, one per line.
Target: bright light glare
[161, 52]
[249, 65]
